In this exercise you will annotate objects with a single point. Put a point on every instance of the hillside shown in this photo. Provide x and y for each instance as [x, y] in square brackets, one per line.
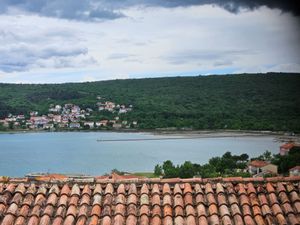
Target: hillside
[247, 101]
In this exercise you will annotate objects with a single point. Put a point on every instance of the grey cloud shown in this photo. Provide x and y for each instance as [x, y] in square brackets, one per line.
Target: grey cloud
[22, 56]
[120, 56]
[93, 10]
[219, 57]
[68, 9]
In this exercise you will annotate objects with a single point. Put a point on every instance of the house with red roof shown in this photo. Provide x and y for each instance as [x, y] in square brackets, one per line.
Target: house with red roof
[285, 148]
[260, 168]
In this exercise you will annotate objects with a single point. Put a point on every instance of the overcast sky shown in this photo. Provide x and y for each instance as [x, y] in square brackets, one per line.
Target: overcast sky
[46, 41]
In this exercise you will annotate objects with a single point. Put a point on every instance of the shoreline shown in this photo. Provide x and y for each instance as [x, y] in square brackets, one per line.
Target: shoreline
[279, 136]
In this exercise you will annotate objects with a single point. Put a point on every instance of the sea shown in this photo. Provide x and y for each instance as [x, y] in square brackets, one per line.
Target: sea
[97, 153]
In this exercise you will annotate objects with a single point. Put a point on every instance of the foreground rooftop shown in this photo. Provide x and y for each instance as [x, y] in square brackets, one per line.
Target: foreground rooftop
[105, 201]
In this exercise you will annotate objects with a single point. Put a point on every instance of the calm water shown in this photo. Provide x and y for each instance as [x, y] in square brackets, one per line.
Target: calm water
[78, 152]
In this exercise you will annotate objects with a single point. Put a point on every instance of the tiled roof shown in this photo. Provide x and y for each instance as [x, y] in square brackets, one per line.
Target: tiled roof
[258, 163]
[227, 201]
[287, 145]
[295, 168]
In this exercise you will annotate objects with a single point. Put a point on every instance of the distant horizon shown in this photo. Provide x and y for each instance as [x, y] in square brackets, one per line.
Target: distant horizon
[157, 77]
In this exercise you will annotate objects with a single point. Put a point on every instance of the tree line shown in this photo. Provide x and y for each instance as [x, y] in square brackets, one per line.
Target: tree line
[243, 101]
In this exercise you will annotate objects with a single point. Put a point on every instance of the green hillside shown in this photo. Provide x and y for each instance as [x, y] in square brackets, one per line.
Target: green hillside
[247, 101]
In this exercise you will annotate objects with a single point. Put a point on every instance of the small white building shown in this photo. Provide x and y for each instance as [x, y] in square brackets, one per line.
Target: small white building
[90, 124]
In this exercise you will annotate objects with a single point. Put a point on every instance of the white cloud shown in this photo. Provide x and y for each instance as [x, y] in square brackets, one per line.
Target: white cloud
[148, 41]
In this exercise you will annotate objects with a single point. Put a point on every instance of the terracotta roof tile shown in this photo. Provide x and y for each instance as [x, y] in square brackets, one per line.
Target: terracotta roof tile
[145, 189]
[155, 200]
[166, 189]
[178, 211]
[167, 200]
[243, 202]
[155, 220]
[155, 189]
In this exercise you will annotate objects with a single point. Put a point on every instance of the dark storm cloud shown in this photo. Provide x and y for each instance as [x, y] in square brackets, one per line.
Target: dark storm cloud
[110, 9]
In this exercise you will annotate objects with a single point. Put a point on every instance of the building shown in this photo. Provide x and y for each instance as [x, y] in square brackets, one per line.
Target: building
[57, 199]
[285, 148]
[295, 171]
[102, 123]
[90, 124]
[261, 168]
[74, 125]
[117, 125]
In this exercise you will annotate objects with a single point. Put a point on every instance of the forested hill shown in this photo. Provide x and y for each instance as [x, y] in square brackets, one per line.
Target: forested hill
[247, 101]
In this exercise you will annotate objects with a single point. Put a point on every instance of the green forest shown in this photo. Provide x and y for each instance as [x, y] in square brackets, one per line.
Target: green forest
[242, 101]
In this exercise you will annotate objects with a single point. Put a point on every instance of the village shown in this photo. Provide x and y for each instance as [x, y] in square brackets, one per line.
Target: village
[72, 117]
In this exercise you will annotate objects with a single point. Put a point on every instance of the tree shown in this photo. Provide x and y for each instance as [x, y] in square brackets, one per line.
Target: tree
[169, 169]
[158, 170]
[187, 170]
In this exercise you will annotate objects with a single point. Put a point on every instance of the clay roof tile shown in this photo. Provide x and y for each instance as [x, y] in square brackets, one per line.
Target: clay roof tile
[250, 188]
[177, 189]
[155, 189]
[132, 199]
[106, 220]
[208, 188]
[187, 188]
[119, 220]
[167, 210]
[156, 211]
[31, 189]
[132, 209]
[75, 190]
[10, 188]
[198, 189]
[52, 199]
[61, 211]
[97, 189]
[120, 199]
[87, 190]
[166, 189]
[144, 199]
[190, 220]
[132, 189]
[179, 220]
[72, 210]
[8, 220]
[145, 189]
[280, 188]
[203, 220]
[167, 200]
[120, 209]
[219, 188]
[63, 200]
[178, 211]
[24, 211]
[42, 190]
[96, 211]
[20, 189]
[178, 201]
[155, 220]
[155, 200]
[121, 189]
[54, 189]
[144, 210]
[49, 210]
[188, 199]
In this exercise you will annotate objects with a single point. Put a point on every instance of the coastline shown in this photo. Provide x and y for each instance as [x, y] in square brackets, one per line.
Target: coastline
[279, 136]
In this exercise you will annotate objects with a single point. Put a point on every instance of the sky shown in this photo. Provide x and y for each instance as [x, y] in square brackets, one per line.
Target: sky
[56, 41]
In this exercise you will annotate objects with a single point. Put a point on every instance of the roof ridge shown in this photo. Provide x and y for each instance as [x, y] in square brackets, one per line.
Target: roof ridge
[154, 180]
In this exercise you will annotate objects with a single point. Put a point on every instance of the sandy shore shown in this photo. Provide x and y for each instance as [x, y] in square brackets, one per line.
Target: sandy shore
[278, 136]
